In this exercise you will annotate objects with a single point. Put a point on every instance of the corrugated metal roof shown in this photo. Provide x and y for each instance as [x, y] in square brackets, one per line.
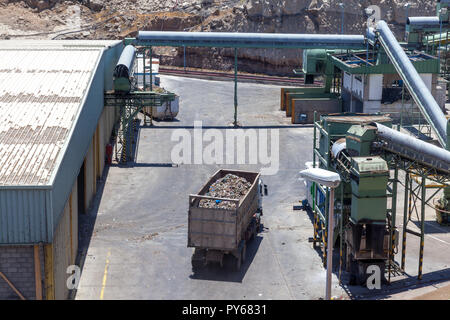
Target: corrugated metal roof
[40, 95]
[51, 97]
[42, 44]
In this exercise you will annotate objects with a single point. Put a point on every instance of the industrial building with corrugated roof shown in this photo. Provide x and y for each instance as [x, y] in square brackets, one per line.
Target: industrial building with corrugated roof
[53, 132]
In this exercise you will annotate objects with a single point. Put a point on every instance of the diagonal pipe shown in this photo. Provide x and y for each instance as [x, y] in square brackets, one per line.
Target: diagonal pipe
[419, 91]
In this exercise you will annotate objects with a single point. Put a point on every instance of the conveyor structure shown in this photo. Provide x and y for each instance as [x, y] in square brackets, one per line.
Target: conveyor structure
[131, 100]
[364, 149]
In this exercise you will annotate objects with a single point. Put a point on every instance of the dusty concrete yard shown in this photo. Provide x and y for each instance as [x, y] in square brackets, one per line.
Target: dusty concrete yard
[137, 248]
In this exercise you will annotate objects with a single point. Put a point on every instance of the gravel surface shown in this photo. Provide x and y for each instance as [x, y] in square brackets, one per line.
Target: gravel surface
[230, 186]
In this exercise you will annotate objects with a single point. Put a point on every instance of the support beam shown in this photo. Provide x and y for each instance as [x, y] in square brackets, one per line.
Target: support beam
[37, 270]
[248, 40]
[49, 275]
[422, 226]
[235, 87]
[184, 58]
[405, 219]
[151, 68]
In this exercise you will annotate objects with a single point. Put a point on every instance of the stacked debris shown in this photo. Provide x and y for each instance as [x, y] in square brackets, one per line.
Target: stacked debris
[231, 187]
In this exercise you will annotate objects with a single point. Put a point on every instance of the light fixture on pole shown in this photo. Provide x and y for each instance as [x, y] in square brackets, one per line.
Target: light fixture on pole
[331, 180]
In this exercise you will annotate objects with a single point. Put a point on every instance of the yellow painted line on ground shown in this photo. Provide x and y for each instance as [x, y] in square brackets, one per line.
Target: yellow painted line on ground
[105, 274]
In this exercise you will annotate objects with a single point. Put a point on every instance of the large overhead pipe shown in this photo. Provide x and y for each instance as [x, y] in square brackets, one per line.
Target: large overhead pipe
[125, 63]
[414, 149]
[417, 88]
[250, 40]
[423, 22]
[124, 69]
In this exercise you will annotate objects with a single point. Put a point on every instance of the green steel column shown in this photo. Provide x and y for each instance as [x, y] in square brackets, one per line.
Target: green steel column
[328, 155]
[184, 58]
[130, 140]
[329, 70]
[403, 105]
[341, 233]
[314, 141]
[144, 68]
[394, 203]
[235, 87]
[405, 220]
[447, 190]
[393, 219]
[422, 225]
[314, 162]
[130, 132]
[151, 71]
[125, 139]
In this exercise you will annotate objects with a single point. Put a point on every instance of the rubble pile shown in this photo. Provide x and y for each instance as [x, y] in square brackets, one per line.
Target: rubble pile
[231, 187]
[118, 19]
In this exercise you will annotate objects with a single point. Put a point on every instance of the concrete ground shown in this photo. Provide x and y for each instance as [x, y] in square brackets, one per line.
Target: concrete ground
[134, 239]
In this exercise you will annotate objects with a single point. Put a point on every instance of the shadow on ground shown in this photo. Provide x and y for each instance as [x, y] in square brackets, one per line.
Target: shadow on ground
[215, 272]
[86, 224]
[398, 286]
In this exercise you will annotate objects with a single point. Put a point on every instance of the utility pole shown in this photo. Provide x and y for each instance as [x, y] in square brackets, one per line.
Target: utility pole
[331, 180]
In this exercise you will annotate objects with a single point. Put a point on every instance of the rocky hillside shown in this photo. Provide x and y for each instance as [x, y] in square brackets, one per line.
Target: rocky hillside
[116, 19]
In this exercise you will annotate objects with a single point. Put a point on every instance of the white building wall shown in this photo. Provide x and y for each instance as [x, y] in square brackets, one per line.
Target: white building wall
[375, 86]
[428, 79]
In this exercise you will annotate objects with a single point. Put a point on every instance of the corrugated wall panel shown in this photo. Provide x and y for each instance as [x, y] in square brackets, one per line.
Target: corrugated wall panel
[79, 142]
[23, 217]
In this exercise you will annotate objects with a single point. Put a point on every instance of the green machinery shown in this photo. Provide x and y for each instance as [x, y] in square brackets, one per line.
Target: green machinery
[361, 197]
[368, 160]
[315, 63]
